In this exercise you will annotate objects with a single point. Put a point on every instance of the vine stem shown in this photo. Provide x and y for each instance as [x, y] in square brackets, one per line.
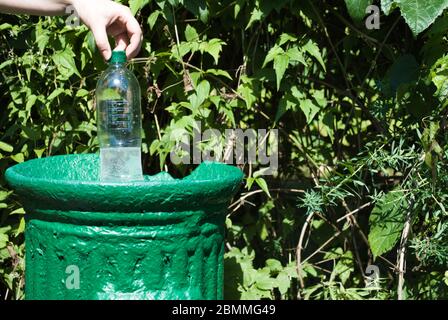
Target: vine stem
[402, 252]
[300, 247]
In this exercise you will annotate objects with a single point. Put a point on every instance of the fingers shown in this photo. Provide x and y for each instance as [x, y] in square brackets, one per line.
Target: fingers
[135, 35]
[102, 42]
[121, 41]
[121, 25]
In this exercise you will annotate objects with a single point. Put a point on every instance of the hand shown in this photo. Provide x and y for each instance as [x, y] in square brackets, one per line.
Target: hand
[105, 17]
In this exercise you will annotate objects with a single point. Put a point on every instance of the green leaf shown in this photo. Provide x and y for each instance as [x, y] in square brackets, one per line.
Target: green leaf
[152, 19]
[55, 93]
[39, 152]
[65, 63]
[286, 103]
[273, 52]
[31, 101]
[18, 211]
[357, 8]
[6, 147]
[386, 222]
[246, 90]
[21, 227]
[136, 5]
[256, 15]
[283, 282]
[420, 14]
[344, 267]
[263, 185]
[280, 64]
[4, 195]
[314, 51]
[213, 48]
[218, 72]
[4, 239]
[5, 26]
[309, 109]
[263, 280]
[387, 6]
[286, 37]
[201, 94]
[191, 34]
[439, 76]
[296, 55]
[274, 265]
[18, 157]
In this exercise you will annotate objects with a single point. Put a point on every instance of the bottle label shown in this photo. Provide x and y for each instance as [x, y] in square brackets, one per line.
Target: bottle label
[118, 115]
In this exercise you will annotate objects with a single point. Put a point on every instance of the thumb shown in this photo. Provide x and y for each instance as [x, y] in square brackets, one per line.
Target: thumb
[102, 42]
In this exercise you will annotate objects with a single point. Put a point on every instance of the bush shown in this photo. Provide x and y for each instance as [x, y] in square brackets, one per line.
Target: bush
[361, 116]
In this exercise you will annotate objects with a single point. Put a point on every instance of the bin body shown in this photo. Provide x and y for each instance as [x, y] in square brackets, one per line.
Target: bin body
[161, 238]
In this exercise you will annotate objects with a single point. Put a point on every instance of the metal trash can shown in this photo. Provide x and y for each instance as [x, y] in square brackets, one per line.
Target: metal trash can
[161, 238]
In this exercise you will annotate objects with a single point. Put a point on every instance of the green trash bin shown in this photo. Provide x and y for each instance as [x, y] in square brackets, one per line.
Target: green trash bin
[161, 238]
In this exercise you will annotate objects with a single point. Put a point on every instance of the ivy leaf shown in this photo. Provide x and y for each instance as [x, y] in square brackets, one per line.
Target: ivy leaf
[420, 14]
[386, 222]
[357, 8]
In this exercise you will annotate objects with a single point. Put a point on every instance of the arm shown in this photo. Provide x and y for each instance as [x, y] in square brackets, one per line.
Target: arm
[103, 17]
[35, 7]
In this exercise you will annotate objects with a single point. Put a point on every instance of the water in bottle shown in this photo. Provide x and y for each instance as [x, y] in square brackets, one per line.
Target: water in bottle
[119, 122]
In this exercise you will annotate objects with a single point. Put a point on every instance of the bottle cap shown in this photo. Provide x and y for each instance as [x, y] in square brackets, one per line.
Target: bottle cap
[118, 56]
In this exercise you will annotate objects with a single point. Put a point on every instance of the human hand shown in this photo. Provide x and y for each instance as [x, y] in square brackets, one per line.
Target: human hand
[106, 17]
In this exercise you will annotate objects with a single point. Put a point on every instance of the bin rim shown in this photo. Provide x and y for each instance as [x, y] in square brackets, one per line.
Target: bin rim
[198, 175]
[39, 185]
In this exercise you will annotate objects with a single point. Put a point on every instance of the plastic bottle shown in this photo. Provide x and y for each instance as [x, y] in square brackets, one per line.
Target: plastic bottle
[119, 122]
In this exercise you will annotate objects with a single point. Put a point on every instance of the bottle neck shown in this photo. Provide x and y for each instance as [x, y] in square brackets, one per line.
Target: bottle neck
[116, 64]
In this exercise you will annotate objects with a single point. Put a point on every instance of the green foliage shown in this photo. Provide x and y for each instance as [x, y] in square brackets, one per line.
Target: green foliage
[357, 8]
[362, 125]
[386, 222]
[419, 14]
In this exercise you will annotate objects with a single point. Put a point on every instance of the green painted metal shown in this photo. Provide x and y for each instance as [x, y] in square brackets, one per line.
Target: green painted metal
[161, 238]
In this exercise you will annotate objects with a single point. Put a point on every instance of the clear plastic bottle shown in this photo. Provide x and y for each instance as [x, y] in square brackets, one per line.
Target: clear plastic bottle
[119, 122]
